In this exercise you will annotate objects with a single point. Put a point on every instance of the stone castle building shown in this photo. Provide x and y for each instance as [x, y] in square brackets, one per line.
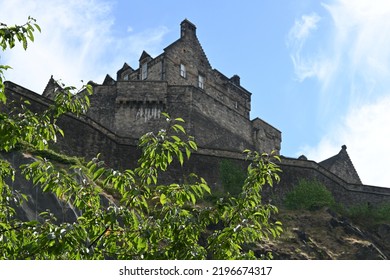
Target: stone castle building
[181, 82]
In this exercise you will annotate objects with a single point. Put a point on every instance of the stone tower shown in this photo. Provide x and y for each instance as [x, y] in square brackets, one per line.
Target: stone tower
[181, 82]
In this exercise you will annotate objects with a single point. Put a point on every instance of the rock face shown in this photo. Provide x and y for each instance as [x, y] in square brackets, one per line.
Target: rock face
[325, 235]
[37, 200]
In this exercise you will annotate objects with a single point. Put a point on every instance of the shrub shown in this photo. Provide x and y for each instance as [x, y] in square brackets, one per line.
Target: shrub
[369, 214]
[232, 177]
[309, 195]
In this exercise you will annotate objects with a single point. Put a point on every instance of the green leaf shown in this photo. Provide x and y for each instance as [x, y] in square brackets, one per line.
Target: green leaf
[98, 173]
[179, 127]
[30, 35]
[193, 199]
[3, 99]
[141, 244]
[37, 27]
[179, 120]
[193, 145]
[188, 153]
[180, 156]
[24, 42]
[163, 199]
[177, 139]
[169, 157]
[165, 115]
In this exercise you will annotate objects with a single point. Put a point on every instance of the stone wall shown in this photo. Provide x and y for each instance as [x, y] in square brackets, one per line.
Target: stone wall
[265, 137]
[85, 137]
[102, 108]
[189, 52]
[138, 107]
[345, 193]
[217, 113]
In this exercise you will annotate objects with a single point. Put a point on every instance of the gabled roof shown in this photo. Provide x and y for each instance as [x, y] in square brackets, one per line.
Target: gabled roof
[108, 80]
[188, 32]
[124, 68]
[144, 55]
[342, 166]
[51, 87]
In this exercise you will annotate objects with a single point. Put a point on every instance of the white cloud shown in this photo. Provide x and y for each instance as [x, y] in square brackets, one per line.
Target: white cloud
[303, 27]
[299, 33]
[360, 38]
[360, 57]
[76, 43]
[366, 132]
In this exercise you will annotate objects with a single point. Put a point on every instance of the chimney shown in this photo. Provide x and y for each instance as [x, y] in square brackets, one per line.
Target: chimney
[235, 80]
[187, 28]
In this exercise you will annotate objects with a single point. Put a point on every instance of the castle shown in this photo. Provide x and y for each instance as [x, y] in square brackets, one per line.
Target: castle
[216, 108]
[181, 82]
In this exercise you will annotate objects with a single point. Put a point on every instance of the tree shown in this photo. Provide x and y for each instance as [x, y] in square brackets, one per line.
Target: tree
[146, 219]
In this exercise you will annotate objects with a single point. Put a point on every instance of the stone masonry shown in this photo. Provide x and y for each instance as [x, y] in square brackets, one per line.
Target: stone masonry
[181, 82]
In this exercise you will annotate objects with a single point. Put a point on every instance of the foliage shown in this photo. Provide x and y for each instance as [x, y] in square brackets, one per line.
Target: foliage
[232, 176]
[309, 195]
[148, 219]
[369, 214]
[245, 218]
[8, 37]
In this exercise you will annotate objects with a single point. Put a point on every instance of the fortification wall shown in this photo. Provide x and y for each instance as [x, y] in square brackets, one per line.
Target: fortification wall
[138, 107]
[345, 193]
[266, 138]
[102, 107]
[218, 125]
[85, 137]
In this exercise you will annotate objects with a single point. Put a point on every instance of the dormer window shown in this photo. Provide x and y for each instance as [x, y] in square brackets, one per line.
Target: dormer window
[144, 71]
[201, 81]
[183, 71]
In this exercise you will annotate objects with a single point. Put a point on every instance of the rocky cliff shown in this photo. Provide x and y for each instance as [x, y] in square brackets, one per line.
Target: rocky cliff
[325, 235]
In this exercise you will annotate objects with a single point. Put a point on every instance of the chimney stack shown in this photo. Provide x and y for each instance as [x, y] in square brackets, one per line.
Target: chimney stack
[187, 28]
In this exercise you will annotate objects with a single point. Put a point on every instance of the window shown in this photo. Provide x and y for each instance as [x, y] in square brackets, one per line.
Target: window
[126, 78]
[144, 71]
[201, 81]
[183, 71]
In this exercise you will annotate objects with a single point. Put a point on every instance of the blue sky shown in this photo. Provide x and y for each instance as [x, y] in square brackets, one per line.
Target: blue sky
[318, 71]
